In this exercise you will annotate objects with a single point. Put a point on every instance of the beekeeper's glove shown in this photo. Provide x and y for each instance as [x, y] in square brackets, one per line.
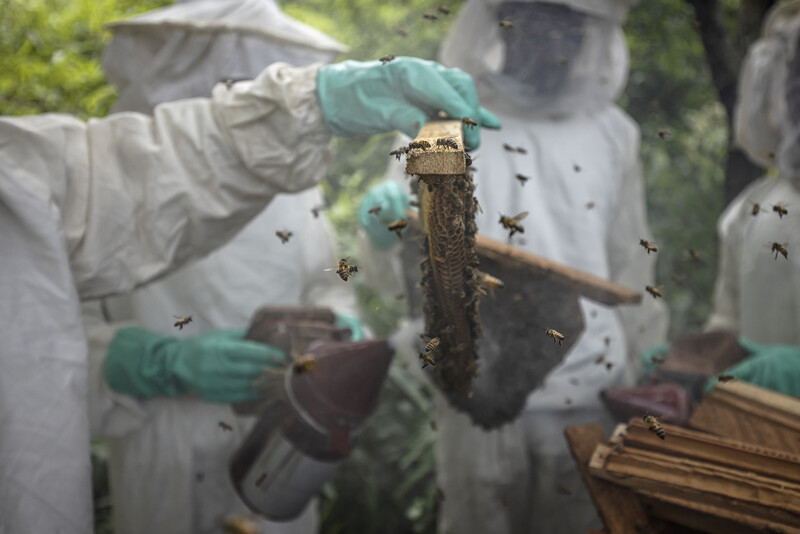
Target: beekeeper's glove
[360, 98]
[775, 367]
[393, 202]
[219, 366]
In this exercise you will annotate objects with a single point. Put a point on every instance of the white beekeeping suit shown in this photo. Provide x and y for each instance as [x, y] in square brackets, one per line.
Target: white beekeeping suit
[89, 209]
[169, 457]
[552, 80]
[756, 294]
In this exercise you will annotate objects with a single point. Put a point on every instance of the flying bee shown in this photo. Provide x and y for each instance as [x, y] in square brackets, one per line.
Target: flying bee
[225, 426]
[399, 152]
[756, 208]
[655, 426]
[375, 210]
[663, 133]
[600, 360]
[444, 10]
[653, 290]
[316, 209]
[304, 364]
[694, 255]
[780, 209]
[401, 32]
[508, 147]
[447, 142]
[512, 223]
[506, 24]
[260, 480]
[658, 360]
[725, 378]
[648, 246]
[609, 366]
[488, 281]
[427, 360]
[576, 167]
[180, 322]
[778, 248]
[422, 144]
[558, 337]
[522, 178]
[284, 236]
[607, 341]
[589, 205]
[430, 16]
[431, 344]
[469, 122]
[386, 59]
[344, 269]
[521, 150]
[397, 226]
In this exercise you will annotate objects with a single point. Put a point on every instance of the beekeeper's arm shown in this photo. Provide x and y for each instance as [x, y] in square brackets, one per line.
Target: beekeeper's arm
[645, 324]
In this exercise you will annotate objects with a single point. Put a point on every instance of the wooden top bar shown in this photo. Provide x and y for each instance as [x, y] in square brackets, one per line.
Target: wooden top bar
[438, 160]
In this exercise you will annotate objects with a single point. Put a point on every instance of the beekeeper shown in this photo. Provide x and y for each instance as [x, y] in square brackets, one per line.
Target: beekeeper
[552, 80]
[180, 439]
[757, 291]
[91, 209]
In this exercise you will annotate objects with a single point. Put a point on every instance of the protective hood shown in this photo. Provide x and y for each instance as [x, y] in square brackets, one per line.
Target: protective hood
[182, 50]
[561, 57]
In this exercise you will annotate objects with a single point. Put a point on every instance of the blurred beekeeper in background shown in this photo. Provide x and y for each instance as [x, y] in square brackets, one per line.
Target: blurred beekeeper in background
[757, 292]
[552, 80]
[92, 209]
[169, 457]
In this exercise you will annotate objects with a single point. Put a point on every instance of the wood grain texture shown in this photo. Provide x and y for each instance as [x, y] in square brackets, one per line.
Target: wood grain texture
[438, 160]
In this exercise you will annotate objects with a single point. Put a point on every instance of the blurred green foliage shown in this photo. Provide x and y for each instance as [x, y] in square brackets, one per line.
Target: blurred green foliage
[49, 61]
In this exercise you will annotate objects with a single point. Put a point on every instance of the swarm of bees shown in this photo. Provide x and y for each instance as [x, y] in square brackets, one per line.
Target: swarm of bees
[522, 178]
[304, 364]
[180, 322]
[397, 226]
[469, 123]
[344, 269]
[653, 291]
[430, 16]
[423, 145]
[447, 142]
[386, 59]
[780, 210]
[655, 426]
[779, 248]
[512, 223]
[506, 24]
[225, 426]
[557, 336]
[284, 236]
[648, 246]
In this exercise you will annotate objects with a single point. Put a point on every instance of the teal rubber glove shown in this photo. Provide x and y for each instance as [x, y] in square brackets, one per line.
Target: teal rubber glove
[394, 203]
[646, 357]
[360, 98]
[219, 366]
[774, 367]
[348, 321]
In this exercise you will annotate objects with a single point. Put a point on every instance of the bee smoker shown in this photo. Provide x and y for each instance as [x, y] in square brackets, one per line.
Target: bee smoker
[307, 430]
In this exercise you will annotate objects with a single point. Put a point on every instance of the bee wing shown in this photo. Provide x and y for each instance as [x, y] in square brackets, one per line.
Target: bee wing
[177, 316]
[521, 216]
[331, 269]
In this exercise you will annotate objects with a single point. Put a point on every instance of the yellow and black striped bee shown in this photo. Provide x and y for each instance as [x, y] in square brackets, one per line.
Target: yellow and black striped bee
[397, 226]
[304, 364]
[422, 144]
[225, 426]
[469, 123]
[506, 24]
[284, 236]
[655, 426]
[344, 269]
[557, 336]
[180, 322]
[386, 59]
[447, 142]
[648, 246]
[654, 291]
[756, 209]
[512, 223]
[779, 248]
[780, 209]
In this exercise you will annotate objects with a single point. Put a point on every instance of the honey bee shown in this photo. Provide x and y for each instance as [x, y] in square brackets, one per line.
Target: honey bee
[443, 10]
[424, 145]
[469, 122]
[399, 152]
[609, 366]
[506, 24]
[386, 59]
[725, 378]
[693, 255]
[589, 205]
[607, 341]
[375, 210]
[305, 364]
[427, 360]
[508, 147]
[522, 178]
[316, 209]
[658, 360]
[397, 226]
[521, 150]
[558, 337]
[600, 360]
[430, 16]
[401, 32]
[225, 426]
[780, 209]
[491, 281]
[512, 223]
[447, 142]
[648, 246]
[431, 344]
[778, 248]
[655, 426]
[756, 208]
[663, 133]
[260, 479]
[653, 290]
[182, 321]
[344, 269]
[576, 167]
[284, 236]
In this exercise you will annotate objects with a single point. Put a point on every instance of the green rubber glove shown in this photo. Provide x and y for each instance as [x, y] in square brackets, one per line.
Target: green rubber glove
[348, 321]
[364, 98]
[219, 366]
[646, 357]
[394, 203]
[774, 367]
